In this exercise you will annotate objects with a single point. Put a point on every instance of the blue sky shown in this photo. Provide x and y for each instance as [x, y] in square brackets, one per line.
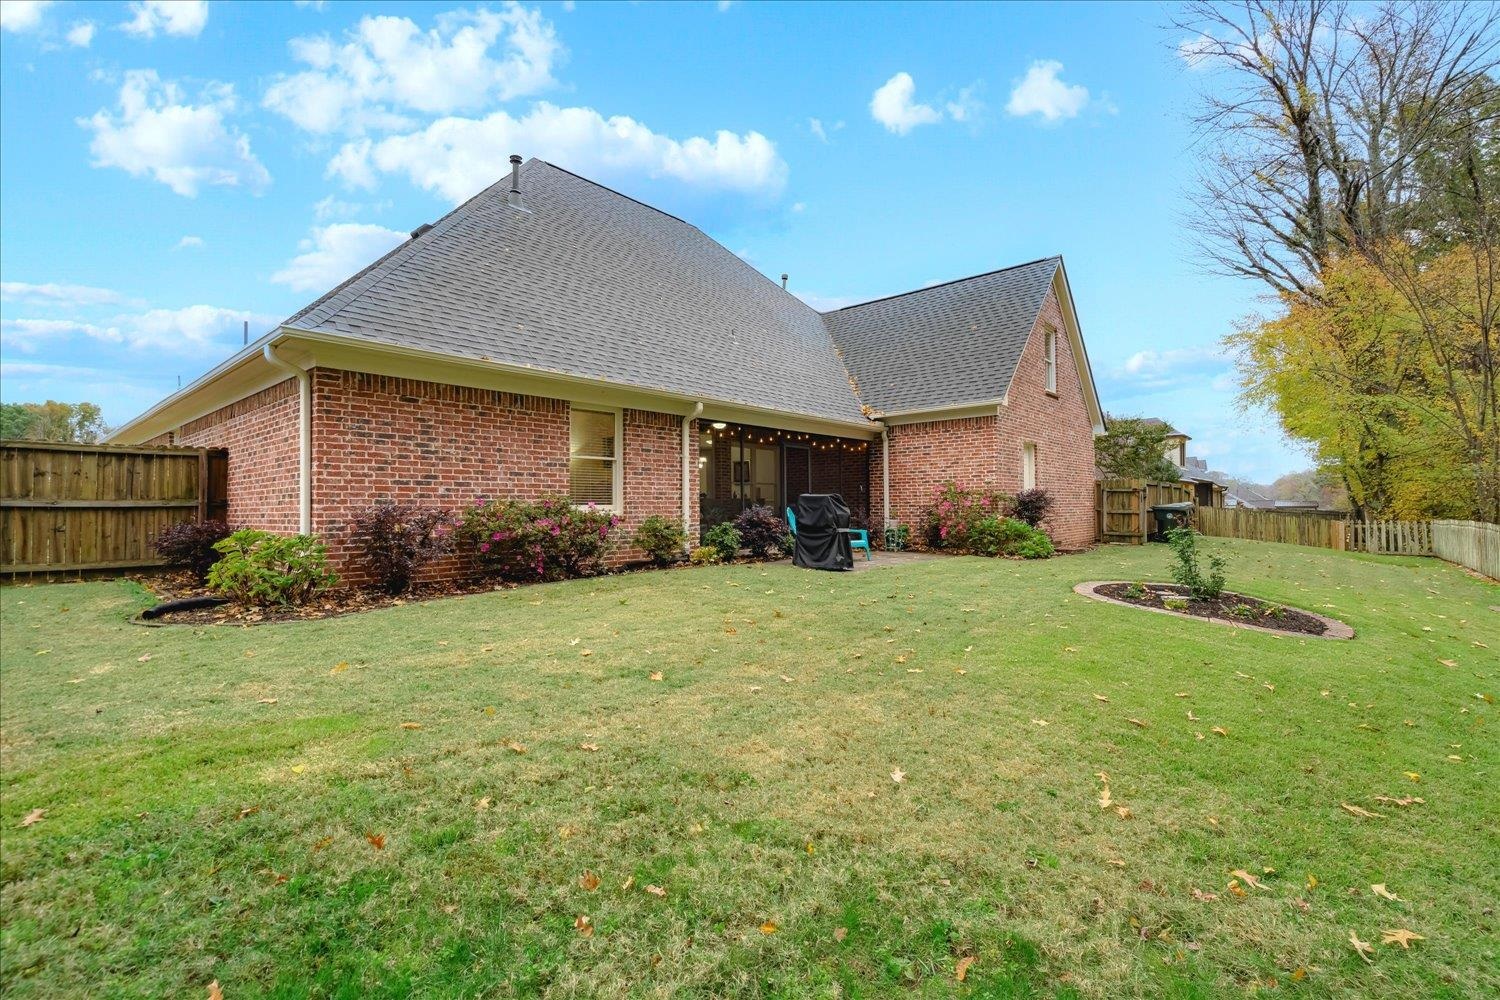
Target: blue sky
[169, 170]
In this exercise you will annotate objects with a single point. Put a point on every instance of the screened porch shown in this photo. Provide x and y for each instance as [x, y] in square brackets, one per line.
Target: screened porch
[742, 466]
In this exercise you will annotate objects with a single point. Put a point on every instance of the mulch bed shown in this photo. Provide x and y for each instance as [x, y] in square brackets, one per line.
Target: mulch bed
[330, 604]
[1227, 607]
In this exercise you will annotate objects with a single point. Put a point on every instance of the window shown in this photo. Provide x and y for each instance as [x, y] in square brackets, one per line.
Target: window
[1049, 347]
[593, 458]
[1028, 466]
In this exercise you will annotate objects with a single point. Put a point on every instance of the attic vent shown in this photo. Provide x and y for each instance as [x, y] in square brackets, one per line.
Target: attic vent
[514, 197]
[424, 227]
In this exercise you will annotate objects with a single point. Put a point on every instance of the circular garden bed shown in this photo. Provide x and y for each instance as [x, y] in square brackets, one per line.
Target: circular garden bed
[1239, 610]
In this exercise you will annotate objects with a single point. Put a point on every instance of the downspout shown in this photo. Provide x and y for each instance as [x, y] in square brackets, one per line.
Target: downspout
[885, 476]
[687, 474]
[304, 437]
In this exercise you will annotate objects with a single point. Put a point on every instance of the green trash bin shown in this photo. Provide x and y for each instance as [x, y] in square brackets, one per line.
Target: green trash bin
[1169, 516]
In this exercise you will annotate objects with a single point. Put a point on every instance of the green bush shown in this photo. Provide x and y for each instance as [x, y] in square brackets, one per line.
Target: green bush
[1187, 571]
[897, 537]
[704, 555]
[1006, 536]
[724, 539]
[955, 511]
[263, 569]
[661, 538]
[544, 539]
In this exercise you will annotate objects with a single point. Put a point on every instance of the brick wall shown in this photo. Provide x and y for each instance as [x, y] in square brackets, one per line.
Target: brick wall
[260, 432]
[383, 438]
[986, 450]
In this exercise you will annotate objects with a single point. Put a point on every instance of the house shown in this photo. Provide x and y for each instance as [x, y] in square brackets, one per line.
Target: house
[1175, 441]
[553, 335]
[1208, 486]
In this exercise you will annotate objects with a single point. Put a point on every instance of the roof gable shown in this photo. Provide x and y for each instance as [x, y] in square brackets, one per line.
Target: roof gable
[588, 282]
[946, 345]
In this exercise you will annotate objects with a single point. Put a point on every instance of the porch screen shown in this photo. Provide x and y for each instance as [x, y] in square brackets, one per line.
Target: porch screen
[591, 458]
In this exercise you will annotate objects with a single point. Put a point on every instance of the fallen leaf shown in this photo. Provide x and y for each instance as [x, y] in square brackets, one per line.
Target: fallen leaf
[1104, 799]
[214, 992]
[589, 881]
[1101, 697]
[1362, 948]
[298, 768]
[1191, 716]
[268, 701]
[787, 679]
[35, 816]
[483, 804]
[962, 968]
[656, 675]
[377, 840]
[1123, 812]
[1379, 889]
[515, 747]
[1204, 897]
[1252, 881]
[587, 652]
[411, 725]
[1139, 723]
[249, 811]
[1220, 730]
[768, 927]
[1413, 775]
[583, 925]
[339, 667]
[1400, 936]
[656, 891]
[322, 843]
[898, 775]
[1041, 722]
[1312, 882]
[839, 933]
[1449, 663]
[1357, 811]
[1402, 802]
[590, 747]
[489, 710]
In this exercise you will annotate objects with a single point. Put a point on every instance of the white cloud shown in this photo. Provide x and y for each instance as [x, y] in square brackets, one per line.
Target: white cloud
[387, 66]
[1150, 363]
[799, 207]
[725, 5]
[1042, 92]
[190, 243]
[19, 16]
[26, 335]
[815, 126]
[184, 18]
[184, 146]
[317, 5]
[57, 295]
[81, 34]
[325, 209]
[456, 157]
[1197, 51]
[335, 252]
[893, 107]
[966, 106]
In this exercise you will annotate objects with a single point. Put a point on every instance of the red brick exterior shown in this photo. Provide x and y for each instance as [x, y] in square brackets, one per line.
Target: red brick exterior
[986, 450]
[378, 437]
[260, 432]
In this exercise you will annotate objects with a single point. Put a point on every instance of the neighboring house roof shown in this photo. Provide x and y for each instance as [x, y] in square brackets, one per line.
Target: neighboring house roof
[589, 282]
[949, 344]
[1159, 422]
[1246, 497]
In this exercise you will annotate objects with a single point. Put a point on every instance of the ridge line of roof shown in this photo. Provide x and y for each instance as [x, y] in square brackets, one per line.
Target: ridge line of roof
[942, 284]
[622, 194]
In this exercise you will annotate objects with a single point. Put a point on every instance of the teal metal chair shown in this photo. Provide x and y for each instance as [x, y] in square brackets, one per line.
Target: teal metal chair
[859, 538]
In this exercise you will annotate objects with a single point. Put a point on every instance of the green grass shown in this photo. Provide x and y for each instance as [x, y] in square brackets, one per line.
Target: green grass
[749, 798]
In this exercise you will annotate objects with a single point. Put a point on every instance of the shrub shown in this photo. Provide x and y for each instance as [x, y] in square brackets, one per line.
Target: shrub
[397, 540]
[954, 512]
[262, 569]
[661, 538]
[543, 539]
[1006, 536]
[763, 533]
[705, 555]
[1187, 570]
[1174, 604]
[1137, 591]
[724, 539]
[190, 544]
[897, 537]
[1031, 506]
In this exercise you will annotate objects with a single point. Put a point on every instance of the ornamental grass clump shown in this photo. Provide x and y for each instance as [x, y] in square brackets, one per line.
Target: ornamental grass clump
[544, 539]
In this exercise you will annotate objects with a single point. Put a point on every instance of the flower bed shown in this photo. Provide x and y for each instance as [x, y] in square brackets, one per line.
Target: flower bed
[1227, 608]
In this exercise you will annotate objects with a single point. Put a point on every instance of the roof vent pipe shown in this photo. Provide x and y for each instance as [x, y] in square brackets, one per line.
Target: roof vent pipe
[784, 276]
[514, 197]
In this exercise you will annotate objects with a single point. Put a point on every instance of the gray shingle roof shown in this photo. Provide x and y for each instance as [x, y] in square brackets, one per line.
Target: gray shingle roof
[588, 282]
[591, 283]
[949, 344]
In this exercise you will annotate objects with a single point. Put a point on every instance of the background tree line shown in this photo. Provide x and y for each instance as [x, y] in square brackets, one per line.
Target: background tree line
[1351, 164]
[52, 421]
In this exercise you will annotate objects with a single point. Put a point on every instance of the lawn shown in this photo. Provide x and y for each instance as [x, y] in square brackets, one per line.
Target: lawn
[419, 800]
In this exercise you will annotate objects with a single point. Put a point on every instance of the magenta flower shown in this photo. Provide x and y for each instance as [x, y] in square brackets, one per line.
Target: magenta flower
[495, 537]
[484, 546]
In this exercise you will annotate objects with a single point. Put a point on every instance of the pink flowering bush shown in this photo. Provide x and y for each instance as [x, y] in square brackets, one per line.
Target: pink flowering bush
[956, 510]
[544, 539]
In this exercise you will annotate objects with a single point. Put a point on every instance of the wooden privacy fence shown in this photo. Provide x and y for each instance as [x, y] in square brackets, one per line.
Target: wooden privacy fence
[1124, 506]
[1395, 538]
[1273, 526]
[94, 507]
[1474, 544]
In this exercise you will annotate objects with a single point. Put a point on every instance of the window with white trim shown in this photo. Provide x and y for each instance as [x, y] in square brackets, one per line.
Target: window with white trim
[594, 458]
[1049, 347]
[1028, 466]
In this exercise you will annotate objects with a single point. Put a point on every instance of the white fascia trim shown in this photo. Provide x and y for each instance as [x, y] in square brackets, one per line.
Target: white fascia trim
[979, 408]
[1064, 292]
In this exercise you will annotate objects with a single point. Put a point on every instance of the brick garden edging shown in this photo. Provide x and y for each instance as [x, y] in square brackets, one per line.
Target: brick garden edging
[1335, 628]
